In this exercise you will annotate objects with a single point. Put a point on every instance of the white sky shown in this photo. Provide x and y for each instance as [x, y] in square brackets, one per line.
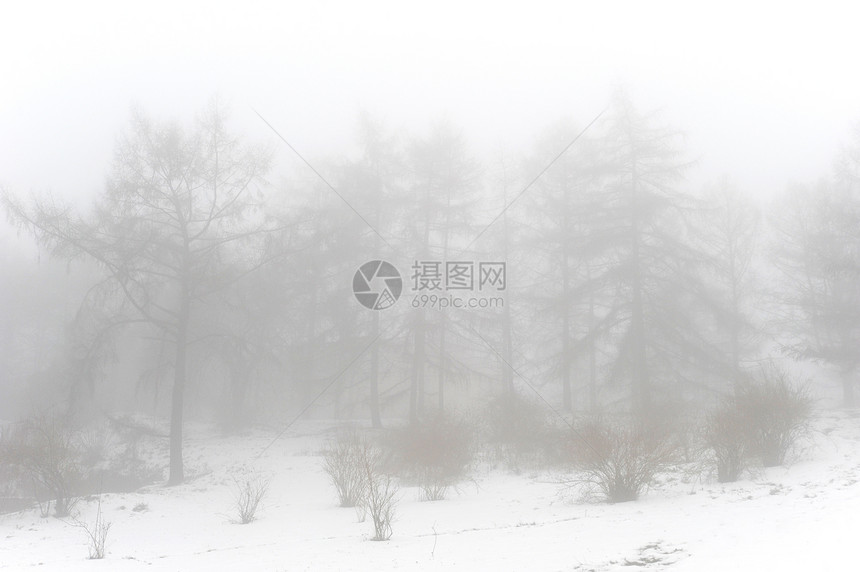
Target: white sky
[766, 92]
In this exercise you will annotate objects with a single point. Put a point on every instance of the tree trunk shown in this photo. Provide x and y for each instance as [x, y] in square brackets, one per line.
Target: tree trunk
[177, 471]
[375, 416]
[416, 400]
[592, 349]
[735, 322]
[641, 393]
[507, 321]
[641, 389]
[442, 365]
[565, 332]
[508, 347]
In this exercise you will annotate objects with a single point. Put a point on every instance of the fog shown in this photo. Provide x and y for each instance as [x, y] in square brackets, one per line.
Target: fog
[763, 94]
[290, 257]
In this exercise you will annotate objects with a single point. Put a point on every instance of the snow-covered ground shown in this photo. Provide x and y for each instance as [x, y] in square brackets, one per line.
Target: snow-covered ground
[800, 517]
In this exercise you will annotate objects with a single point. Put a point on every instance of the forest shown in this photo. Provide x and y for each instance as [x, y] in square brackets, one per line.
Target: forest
[579, 302]
[196, 283]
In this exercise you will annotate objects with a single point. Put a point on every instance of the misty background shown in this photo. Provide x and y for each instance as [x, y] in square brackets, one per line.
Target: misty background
[688, 237]
[763, 93]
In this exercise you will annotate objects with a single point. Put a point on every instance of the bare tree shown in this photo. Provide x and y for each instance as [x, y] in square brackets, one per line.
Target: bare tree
[179, 204]
[817, 256]
[644, 265]
[373, 181]
[562, 205]
[731, 232]
[640, 240]
[443, 177]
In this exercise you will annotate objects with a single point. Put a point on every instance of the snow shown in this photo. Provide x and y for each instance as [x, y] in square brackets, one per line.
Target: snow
[800, 517]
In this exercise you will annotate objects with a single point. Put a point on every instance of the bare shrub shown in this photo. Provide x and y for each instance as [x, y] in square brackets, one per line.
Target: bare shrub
[15, 485]
[380, 495]
[97, 533]
[434, 485]
[621, 460]
[343, 464]
[440, 447]
[249, 490]
[726, 435]
[44, 509]
[46, 459]
[52, 460]
[775, 410]
[132, 431]
[94, 443]
[361, 511]
[357, 468]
